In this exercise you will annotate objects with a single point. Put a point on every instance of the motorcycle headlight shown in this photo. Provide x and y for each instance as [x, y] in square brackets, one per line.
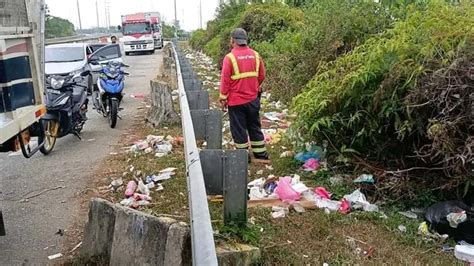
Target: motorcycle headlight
[57, 82]
[112, 75]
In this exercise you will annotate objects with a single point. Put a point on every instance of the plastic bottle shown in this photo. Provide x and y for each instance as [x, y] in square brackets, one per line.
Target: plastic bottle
[131, 187]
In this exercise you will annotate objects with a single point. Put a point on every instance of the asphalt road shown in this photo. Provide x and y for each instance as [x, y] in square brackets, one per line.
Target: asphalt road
[31, 225]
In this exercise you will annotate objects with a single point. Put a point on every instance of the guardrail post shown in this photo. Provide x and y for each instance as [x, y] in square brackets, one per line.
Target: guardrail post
[198, 99]
[208, 127]
[225, 173]
[192, 84]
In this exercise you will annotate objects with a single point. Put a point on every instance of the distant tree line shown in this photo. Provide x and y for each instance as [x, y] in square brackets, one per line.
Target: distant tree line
[58, 27]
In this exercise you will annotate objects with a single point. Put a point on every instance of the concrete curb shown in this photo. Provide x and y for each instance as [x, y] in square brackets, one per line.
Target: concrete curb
[123, 236]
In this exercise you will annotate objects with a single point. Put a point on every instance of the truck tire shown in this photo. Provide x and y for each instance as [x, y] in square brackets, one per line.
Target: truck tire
[152, 52]
[127, 53]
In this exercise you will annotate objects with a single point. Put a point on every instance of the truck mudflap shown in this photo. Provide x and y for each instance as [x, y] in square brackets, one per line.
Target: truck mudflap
[2, 225]
[25, 146]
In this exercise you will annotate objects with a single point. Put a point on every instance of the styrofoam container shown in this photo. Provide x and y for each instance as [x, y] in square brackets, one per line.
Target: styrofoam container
[464, 252]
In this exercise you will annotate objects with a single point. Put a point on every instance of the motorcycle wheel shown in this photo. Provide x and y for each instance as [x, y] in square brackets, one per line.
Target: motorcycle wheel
[95, 99]
[113, 113]
[51, 130]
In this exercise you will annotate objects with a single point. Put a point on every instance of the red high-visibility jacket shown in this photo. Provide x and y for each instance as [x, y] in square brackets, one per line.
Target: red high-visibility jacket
[243, 88]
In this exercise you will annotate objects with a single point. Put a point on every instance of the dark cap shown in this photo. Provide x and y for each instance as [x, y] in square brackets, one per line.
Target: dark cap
[240, 36]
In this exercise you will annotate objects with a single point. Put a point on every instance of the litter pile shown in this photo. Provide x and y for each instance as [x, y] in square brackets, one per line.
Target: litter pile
[134, 199]
[289, 191]
[160, 145]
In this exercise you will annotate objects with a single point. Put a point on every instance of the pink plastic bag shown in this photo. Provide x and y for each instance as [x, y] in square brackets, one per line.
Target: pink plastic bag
[322, 192]
[285, 191]
[311, 165]
[268, 138]
[345, 206]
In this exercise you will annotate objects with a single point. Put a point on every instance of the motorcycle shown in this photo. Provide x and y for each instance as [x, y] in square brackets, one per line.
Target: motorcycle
[66, 108]
[107, 96]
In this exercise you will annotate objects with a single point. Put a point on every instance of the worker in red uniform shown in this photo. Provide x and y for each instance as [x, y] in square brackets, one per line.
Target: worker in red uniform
[243, 72]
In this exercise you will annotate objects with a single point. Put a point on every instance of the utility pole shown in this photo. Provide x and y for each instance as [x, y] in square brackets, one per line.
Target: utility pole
[175, 15]
[97, 13]
[200, 14]
[107, 14]
[79, 15]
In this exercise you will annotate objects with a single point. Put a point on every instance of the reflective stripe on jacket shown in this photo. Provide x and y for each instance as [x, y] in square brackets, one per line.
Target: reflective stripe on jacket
[235, 66]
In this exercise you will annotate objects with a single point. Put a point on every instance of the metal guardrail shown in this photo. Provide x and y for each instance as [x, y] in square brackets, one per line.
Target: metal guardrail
[202, 238]
[77, 38]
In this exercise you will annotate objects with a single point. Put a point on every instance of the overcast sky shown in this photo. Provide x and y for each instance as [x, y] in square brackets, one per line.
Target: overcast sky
[188, 10]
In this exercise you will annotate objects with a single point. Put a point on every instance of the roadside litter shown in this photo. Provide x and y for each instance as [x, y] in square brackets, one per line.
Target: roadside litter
[285, 191]
[290, 191]
[365, 179]
[152, 143]
[137, 95]
[134, 199]
[409, 214]
[279, 212]
[55, 256]
[311, 165]
[464, 252]
[116, 183]
[358, 201]
[454, 218]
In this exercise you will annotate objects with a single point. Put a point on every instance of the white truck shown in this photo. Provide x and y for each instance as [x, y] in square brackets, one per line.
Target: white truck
[21, 79]
[156, 24]
[137, 30]
[21, 85]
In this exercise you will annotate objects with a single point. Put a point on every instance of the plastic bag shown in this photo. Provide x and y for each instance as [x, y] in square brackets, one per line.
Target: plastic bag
[279, 212]
[311, 165]
[437, 217]
[358, 200]
[285, 191]
[345, 206]
[322, 192]
[304, 156]
[327, 204]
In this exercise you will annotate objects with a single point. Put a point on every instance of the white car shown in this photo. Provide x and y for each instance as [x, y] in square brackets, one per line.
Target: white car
[64, 59]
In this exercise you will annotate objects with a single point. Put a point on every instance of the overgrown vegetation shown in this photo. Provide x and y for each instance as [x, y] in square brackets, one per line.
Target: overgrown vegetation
[369, 101]
[387, 83]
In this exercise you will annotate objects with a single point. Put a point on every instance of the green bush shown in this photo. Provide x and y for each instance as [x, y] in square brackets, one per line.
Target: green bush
[358, 100]
[213, 48]
[330, 28]
[198, 40]
[261, 21]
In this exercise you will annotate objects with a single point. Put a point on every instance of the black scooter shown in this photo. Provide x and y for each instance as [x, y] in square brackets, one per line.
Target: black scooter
[66, 107]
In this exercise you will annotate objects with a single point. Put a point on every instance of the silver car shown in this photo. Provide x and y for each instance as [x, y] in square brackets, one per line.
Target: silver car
[64, 59]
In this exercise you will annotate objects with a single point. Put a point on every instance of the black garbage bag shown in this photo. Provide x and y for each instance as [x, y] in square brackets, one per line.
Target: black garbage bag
[436, 217]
